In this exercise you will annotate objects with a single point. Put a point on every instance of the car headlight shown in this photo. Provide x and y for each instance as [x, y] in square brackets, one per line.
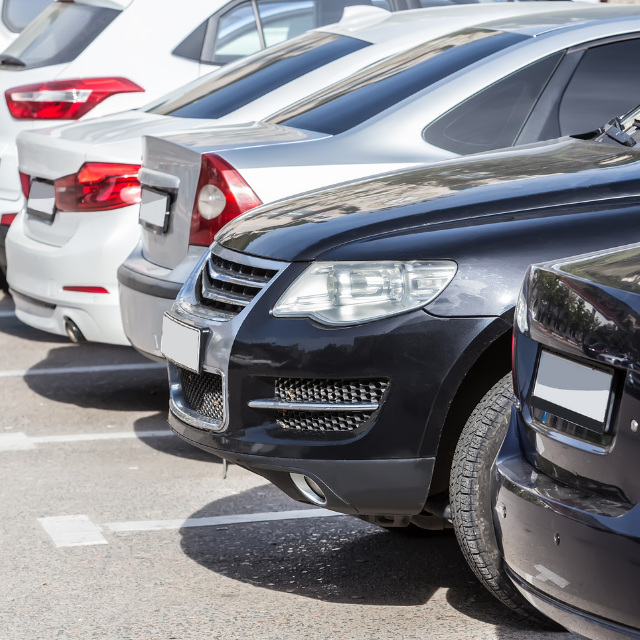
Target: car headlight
[521, 314]
[342, 293]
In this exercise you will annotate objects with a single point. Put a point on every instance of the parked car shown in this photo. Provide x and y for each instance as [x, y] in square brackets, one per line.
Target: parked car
[88, 58]
[336, 343]
[253, 88]
[565, 492]
[499, 84]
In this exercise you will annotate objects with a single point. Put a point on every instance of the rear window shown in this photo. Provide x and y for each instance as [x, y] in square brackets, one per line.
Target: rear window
[58, 35]
[384, 84]
[17, 14]
[229, 91]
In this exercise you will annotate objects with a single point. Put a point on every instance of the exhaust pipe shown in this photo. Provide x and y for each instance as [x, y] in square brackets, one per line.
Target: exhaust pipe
[73, 331]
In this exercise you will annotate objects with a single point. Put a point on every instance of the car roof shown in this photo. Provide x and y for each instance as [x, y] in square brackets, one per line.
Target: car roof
[583, 16]
[376, 25]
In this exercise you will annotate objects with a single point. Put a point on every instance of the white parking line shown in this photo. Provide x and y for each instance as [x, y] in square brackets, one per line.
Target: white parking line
[7, 314]
[21, 441]
[20, 373]
[72, 531]
[78, 530]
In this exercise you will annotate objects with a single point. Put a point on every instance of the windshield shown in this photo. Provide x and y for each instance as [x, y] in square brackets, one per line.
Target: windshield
[227, 91]
[363, 95]
[61, 32]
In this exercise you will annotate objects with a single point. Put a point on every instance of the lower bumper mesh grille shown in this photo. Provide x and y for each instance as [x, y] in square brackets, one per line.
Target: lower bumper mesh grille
[321, 420]
[203, 393]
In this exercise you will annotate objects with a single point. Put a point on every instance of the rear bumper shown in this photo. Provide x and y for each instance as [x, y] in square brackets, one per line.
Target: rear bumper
[146, 292]
[356, 487]
[90, 257]
[569, 552]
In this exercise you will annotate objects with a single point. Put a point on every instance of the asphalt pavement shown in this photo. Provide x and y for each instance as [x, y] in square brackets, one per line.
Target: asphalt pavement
[113, 528]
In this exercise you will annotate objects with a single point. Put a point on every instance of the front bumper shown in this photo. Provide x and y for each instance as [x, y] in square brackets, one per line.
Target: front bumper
[146, 292]
[384, 465]
[573, 555]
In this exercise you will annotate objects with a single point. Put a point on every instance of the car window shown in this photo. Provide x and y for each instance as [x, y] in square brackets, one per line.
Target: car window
[226, 92]
[605, 84]
[59, 34]
[282, 20]
[237, 34]
[382, 85]
[492, 118]
[17, 14]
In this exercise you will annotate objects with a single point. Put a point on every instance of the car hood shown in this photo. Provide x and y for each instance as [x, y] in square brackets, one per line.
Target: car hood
[522, 182]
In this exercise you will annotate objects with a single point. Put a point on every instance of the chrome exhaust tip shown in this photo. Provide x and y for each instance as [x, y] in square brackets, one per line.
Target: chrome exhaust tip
[73, 331]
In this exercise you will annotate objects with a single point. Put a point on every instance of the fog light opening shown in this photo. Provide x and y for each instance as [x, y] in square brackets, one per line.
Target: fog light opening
[73, 331]
[309, 489]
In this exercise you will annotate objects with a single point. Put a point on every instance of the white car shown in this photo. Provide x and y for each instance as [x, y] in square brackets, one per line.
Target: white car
[87, 58]
[80, 248]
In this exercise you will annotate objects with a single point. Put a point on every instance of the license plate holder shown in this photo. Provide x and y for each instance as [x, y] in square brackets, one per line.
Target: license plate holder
[42, 200]
[182, 344]
[573, 391]
[155, 210]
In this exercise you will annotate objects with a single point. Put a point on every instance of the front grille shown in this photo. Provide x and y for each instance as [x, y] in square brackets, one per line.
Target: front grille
[331, 391]
[203, 393]
[228, 286]
[327, 392]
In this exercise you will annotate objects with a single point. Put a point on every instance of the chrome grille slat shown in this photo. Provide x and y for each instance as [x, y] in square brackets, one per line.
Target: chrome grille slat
[229, 284]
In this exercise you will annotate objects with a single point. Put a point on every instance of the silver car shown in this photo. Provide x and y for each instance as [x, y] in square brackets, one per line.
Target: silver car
[508, 82]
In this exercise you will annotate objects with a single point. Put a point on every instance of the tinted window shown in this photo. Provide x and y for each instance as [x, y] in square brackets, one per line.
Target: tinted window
[191, 46]
[223, 94]
[60, 34]
[17, 14]
[493, 117]
[384, 84]
[605, 84]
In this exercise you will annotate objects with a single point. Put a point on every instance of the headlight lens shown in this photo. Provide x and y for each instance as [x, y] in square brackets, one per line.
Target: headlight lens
[521, 315]
[342, 293]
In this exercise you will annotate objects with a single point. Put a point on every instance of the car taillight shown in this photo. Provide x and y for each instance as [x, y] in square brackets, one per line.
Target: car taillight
[64, 99]
[85, 289]
[98, 186]
[221, 196]
[25, 181]
[7, 218]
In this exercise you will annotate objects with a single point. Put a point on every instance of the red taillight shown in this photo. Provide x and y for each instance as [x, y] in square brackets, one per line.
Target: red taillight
[64, 99]
[25, 181]
[7, 218]
[98, 186]
[221, 196]
[86, 289]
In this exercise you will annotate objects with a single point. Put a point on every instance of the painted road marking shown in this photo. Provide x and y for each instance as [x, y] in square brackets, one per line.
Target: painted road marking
[21, 441]
[20, 373]
[7, 314]
[74, 531]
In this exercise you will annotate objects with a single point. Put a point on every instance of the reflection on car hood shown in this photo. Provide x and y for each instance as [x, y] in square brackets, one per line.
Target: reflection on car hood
[516, 182]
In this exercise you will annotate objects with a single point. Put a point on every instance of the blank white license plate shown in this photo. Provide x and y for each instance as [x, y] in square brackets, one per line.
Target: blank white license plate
[181, 343]
[154, 210]
[42, 200]
[572, 391]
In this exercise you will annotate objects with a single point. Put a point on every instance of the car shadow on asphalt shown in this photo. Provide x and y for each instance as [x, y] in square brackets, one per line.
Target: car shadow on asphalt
[173, 446]
[11, 326]
[341, 560]
[120, 390]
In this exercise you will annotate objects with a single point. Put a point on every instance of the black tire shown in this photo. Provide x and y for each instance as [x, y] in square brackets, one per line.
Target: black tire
[470, 495]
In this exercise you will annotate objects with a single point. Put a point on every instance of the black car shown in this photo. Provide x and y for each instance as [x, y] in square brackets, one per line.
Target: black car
[337, 343]
[566, 494]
